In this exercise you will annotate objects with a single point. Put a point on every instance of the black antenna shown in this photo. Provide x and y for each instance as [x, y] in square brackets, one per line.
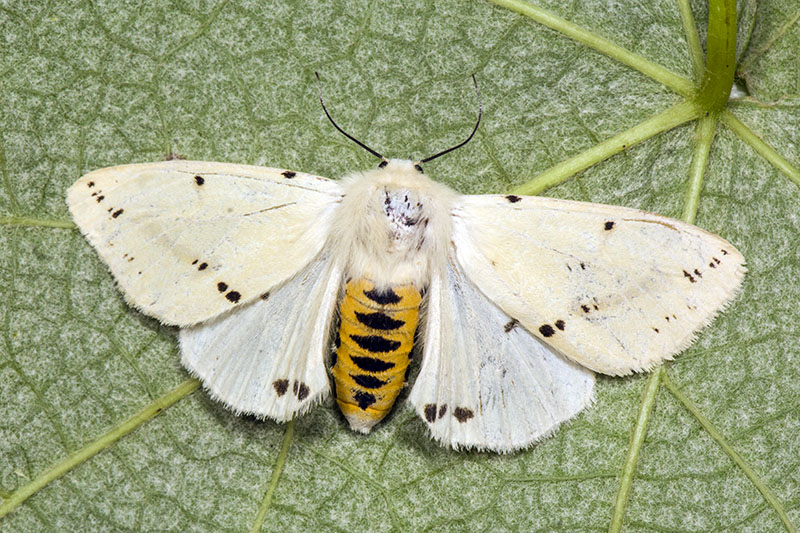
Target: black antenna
[480, 112]
[335, 125]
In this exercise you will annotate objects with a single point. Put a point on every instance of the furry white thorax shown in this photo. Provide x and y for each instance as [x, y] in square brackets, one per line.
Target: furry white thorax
[393, 225]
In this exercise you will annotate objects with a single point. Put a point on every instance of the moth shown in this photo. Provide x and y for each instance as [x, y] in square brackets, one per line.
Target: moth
[514, 302]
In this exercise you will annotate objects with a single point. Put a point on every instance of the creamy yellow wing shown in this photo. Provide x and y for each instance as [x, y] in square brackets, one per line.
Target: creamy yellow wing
[614, 289]
[188, 240]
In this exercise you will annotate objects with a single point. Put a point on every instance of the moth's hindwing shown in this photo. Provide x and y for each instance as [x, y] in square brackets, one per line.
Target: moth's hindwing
[485, 381]
[268, 358]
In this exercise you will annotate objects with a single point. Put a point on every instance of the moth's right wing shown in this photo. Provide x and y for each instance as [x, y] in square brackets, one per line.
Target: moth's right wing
[268, 358]
[188, 240]
[486, 382]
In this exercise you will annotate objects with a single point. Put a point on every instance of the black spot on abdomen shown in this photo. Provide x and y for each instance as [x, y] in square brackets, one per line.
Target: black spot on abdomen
[367, 381]
[375, 343]
[379, 321]
[371, 364]
[386, 297]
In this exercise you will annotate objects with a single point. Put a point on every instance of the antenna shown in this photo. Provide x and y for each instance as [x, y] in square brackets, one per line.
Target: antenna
[480, 112]
[335, 125]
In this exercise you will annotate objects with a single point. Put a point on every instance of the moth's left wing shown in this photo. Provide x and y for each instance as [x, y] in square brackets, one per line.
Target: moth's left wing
[614, 289]
[188, 240]
[268, 358]
[485, 382]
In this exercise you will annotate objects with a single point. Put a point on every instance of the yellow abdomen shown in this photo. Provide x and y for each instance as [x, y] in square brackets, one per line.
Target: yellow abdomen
[374, 345]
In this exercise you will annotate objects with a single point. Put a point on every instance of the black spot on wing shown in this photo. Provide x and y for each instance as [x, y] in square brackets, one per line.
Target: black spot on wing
[691, 278]
[288, 174]
[608, 225]
[195, 261]
[442, 410]
[379, 321]
[280, 386]
[463, 414]
[265, 296]
[300, 390]
[547, 330]
[367, 381]
[222, 286]
[233, 296]
[90, 184]
[430, 412]
[371, 364]
[697, 273]
[100, 198]
[513, 198]
[364, 399]
[560, 324]
[656, 330]
[375, 343]
[202, 266]
[585, 308]
[117, 213]
[511, 324]
[199, 180]
[383, 297]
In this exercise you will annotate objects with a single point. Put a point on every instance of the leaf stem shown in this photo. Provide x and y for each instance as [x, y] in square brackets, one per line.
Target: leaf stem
[664, 121]
[762, 148]
[29, 221]
[728, 449]
[706, 128]
[90, 450]
[692, 39]
[637, 441]
[280, 462]
[720, 66]
[666, 77]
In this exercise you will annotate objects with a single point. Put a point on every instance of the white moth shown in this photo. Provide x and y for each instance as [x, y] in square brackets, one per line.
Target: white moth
[523, 298]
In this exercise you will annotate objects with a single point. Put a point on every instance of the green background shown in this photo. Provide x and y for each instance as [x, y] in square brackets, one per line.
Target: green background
[90, 84]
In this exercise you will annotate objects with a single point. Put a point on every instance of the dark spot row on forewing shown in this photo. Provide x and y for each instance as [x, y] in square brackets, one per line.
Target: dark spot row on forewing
[608, 225]
[117, 213]
[367, 381]
[375, 343]
[513, 198]
[379, 320]
[548, 331]
[386, 297]
[432, 412]
[232, 296]
[199, 180]
[691, 278]
[288, 174]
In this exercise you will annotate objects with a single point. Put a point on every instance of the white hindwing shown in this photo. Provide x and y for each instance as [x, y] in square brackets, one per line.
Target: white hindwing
[188, 240]
[268, 358]
[614, 289]
[485, 381]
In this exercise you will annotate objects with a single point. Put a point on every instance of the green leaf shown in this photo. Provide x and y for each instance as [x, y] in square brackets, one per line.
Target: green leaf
[592, 101]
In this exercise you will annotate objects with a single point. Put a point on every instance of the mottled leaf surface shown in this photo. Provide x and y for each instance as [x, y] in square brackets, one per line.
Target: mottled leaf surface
[91, 84]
